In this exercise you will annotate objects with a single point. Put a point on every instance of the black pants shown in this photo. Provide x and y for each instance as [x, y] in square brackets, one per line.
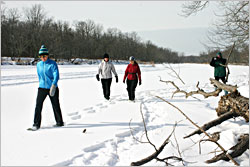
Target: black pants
[131, 85]
[42, 94]
[106, 83]
[222, 79]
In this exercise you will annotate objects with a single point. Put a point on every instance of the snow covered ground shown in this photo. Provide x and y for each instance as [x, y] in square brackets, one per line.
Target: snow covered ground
[108, 139]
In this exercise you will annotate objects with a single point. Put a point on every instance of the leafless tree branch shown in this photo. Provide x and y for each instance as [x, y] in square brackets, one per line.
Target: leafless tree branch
[199, 91]
[237, 150]
[224, 151]
[193, 7]
[177, 75]
[145, 129]
[213, 123]
[157, 151]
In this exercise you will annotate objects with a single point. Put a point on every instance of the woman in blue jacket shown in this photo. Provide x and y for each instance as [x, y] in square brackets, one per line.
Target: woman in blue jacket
[48, 75]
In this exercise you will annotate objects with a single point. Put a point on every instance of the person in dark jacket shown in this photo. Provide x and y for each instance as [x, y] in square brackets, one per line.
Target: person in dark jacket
[105, 68]
[219, 65]
[48, 75]
[132, 74]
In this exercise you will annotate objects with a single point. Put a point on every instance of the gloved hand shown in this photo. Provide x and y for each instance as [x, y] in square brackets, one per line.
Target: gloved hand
[116, 77]
[139, 82]
[123, 81]
[97, 77]
[52, 90]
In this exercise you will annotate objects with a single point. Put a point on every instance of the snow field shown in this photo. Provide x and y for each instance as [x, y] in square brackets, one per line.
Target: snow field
[108, 140]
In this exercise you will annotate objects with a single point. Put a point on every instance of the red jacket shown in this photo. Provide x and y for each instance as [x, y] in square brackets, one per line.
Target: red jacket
[132, 72]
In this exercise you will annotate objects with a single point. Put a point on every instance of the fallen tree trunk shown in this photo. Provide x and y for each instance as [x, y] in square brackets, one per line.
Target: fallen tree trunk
[238, 150]
[213, 123]
[234, 102]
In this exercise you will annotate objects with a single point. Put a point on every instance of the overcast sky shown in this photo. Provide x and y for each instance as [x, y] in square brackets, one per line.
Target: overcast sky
[125, 15]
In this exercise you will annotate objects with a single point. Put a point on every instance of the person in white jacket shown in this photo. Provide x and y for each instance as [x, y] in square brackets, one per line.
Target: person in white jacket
[105, 68]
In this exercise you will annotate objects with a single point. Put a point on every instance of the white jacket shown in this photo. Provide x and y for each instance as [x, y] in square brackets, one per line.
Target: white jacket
[105, 69]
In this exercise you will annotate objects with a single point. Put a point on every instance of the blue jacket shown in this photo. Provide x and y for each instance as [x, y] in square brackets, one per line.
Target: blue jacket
[48, 73]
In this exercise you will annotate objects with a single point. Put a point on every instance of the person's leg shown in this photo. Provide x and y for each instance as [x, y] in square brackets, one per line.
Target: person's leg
[41, 95]
[134, 85]
[129, 88]
[104, 87]
[109, 81]
[56, 108]
[223, 79]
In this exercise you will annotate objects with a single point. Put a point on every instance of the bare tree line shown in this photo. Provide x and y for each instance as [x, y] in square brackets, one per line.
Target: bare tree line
[85, 39]
[23, 34]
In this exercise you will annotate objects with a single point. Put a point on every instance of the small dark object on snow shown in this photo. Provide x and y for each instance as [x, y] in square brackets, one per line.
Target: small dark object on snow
[84, 131]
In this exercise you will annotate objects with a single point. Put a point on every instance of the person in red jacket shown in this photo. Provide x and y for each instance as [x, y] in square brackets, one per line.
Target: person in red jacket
[132, 74]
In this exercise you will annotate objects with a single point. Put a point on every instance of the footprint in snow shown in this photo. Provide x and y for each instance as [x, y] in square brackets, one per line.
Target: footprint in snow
[73, 113]
[76, 117]
[91, 111]
[89, 108]
[112, 102]
[86, 158]
[100, 104]
[94, 148]
[104, 107]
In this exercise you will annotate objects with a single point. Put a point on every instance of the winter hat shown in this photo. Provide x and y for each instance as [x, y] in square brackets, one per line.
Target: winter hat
[219, 54]
[105, 55]
[43, 50]
[132, 58]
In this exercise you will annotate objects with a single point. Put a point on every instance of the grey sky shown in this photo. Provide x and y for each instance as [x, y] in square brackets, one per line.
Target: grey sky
[125, 15]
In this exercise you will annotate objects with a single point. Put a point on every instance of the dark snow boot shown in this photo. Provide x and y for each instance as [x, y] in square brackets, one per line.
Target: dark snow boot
[58, 125]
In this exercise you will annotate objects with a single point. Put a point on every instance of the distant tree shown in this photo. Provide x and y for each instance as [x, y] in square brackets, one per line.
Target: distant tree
[232, 24]
[35, 17]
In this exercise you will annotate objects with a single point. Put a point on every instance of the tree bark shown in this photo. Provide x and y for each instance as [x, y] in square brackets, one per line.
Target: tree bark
[229, 88]
[234, 102]
[238, 149]
[214, 122]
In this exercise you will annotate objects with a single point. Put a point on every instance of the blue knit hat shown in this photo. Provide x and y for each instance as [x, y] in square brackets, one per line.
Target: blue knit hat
[43, 50]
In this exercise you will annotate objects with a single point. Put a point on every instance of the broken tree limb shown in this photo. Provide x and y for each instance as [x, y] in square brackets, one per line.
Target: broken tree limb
[222, 86]
[178, 148]
[224, 151]
[199, 91]
[165, 160]
[215, 136]
[237, 150]
[131, 132]
[155, 154]
[213, 123]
